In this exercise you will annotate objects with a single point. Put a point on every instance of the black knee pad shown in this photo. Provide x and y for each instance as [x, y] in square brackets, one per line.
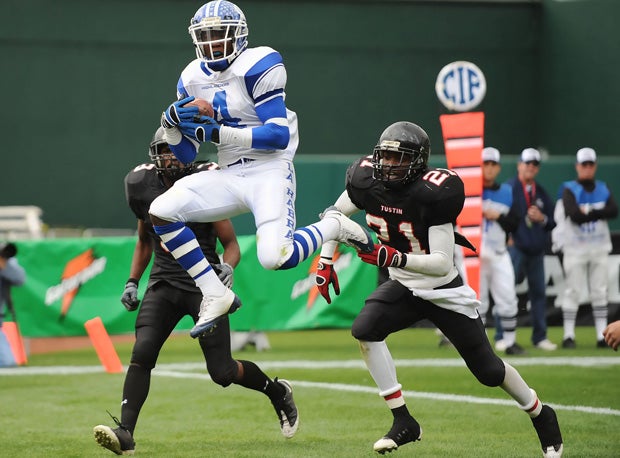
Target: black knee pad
[223, 373]
[364, 328]
[144, 354]
[490, 374]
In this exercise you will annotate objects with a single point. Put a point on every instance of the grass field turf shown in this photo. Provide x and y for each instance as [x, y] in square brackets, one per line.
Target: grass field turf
[49, 414]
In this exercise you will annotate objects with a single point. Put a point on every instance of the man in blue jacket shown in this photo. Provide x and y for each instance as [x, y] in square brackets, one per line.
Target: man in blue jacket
[534, 209]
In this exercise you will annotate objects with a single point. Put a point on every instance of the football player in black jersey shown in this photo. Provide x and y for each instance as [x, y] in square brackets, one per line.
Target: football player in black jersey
[413, 209]
[171, 294]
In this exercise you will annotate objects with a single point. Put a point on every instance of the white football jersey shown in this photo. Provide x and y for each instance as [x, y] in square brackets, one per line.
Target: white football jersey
[257, 75]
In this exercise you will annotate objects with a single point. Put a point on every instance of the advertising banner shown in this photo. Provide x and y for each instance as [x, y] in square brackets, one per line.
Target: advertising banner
[70, 281]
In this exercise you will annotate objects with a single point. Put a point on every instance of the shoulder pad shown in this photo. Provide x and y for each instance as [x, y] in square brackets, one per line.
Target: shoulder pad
[141, 174]
[439, 184]
[142, 185]
[359, 174]
[442, 191]
[255, 61]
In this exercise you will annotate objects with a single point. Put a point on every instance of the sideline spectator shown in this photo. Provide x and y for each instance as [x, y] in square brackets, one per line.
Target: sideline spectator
[11, 274]
[587, 204]
[534, 209]
[497, 276]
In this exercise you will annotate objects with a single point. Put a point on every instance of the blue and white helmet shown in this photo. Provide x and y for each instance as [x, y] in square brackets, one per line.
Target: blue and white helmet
[219, 32]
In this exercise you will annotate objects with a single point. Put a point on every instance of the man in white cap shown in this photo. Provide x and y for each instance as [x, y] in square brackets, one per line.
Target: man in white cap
[496, 271]
[587, 204]
[534, 208]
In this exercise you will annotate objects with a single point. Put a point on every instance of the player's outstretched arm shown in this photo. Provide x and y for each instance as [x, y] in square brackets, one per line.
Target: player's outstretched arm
[437, 263]
[273, 134]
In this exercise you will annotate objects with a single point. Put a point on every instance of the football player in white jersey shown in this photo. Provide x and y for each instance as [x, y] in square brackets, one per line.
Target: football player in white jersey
[256, 137]
[497, 276]
[413, 210]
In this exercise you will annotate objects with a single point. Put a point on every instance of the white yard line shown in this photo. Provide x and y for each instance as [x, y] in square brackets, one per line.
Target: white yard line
[179, 370]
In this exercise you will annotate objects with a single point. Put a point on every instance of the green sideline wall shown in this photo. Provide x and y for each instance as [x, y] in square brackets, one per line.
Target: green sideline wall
[84, 82]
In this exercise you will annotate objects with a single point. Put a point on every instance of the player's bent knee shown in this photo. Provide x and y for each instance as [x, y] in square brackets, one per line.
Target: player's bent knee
[491, 376]
[270, 261]
[363, 330]
[166, 206]
[223, 374]
[143, 358]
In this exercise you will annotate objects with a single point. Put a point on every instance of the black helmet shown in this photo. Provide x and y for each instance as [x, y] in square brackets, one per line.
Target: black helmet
[165, 162]
[408, 147]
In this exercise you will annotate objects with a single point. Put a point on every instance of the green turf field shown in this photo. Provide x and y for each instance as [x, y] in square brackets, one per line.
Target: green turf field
[50, 407]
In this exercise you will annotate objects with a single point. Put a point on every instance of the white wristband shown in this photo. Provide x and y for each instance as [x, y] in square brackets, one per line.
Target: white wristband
[236, 136]
[328, 249]
[173, 135]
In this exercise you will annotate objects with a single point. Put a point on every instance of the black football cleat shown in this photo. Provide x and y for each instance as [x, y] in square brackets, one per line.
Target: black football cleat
[403, 431]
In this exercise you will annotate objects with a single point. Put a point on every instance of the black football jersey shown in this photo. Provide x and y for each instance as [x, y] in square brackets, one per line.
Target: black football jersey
[402, 215]
[142, 186]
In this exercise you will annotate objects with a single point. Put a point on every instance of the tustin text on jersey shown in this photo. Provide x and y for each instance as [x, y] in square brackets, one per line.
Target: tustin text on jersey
[398, 211]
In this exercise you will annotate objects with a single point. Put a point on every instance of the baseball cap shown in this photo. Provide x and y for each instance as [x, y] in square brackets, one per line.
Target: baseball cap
[530, 154]
[586, 155]
[490, 154]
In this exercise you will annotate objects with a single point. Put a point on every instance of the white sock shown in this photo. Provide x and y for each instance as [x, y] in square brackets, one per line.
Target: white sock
[568, 318]
[381, 366]
[600, 320]
[210, 284]
[516, 387]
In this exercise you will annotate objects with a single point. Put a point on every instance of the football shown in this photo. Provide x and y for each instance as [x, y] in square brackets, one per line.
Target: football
[204, 107]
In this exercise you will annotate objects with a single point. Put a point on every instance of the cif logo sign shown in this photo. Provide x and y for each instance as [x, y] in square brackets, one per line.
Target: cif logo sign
[460, 86]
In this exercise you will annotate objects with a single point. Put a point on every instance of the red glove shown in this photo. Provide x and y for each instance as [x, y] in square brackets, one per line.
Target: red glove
[384, 256]
[325, 274]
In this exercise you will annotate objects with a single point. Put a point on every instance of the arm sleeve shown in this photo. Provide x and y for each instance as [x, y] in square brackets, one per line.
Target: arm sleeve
[440, 260]
[572, 210]
[345, 204]
[185, 151]
[13, 273]
[508, 222]
[609, 211]
[273, 134]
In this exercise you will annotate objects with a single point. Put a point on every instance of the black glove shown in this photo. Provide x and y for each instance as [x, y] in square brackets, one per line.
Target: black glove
[130, 295]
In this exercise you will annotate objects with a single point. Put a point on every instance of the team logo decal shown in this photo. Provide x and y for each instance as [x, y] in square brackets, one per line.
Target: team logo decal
[77, 271]
[460, 86]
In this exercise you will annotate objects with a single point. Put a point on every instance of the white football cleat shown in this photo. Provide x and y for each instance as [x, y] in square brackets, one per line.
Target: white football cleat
[546, 345]
[351, 233]
[212, 308]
